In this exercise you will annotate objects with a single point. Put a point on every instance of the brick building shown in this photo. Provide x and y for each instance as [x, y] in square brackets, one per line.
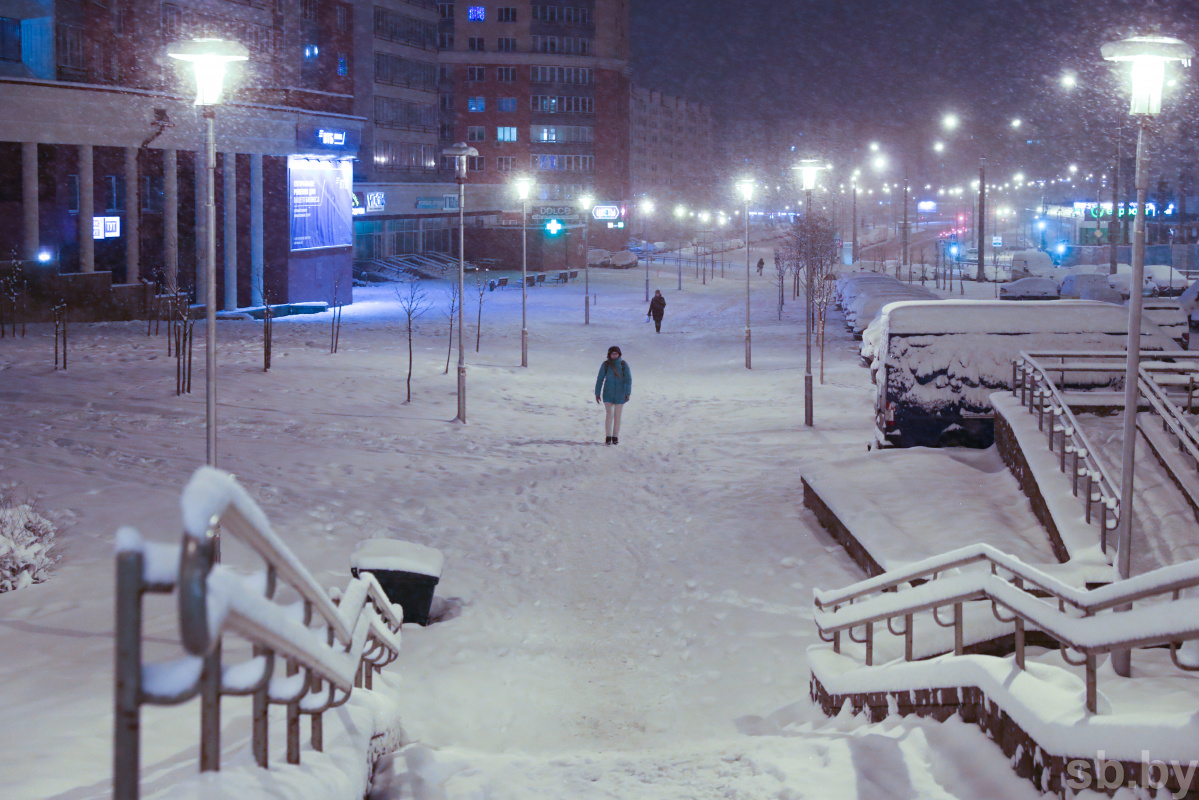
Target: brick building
[671, 150]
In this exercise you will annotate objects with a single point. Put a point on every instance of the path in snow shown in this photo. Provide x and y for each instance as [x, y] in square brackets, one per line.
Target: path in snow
[631, 612]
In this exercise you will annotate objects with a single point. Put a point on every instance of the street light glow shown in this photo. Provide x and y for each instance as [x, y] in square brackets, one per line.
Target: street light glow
[523, 185]
[746, 187]
[949, 121]
[1149, 55]
[586, 202]
[938, 147]
[874, 147]
[209, 59]
[1016, 123]
[880, 162]
[680, 211]
[1068, 80]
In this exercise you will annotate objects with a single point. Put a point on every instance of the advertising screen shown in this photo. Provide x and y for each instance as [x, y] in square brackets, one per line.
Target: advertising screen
[320, 199]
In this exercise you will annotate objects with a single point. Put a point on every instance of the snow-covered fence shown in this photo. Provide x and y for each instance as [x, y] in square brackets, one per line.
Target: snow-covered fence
[1033, 383]
[1082, 621]
[328, 645]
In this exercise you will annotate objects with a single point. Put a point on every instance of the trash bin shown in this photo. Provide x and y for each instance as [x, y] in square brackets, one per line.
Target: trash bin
[407, 572]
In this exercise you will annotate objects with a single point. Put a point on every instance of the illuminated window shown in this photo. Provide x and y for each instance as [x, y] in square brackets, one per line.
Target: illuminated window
[343, 64]
[476, 13]
[505, 134]
[476, 104]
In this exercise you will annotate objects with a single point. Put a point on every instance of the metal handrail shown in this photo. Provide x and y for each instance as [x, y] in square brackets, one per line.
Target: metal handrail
[1080, 628]
[1172, 420]
[356, 632]
[1033, 384]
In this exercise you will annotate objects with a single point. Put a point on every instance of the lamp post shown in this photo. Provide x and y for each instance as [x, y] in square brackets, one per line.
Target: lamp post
[646, 207]
[854, 247]
[1148, 56]
[585, 203]
[680, 212]
[809, 168]
[209, 58]
[460, 152]
[524, 185]
[746, 187]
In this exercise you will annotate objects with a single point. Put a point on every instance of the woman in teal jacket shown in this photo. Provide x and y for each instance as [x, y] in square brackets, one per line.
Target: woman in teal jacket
[613, 387]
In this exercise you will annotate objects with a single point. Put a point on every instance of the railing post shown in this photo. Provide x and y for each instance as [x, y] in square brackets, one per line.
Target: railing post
[869, 644]
[126, 749]
[907, 637]
[1092, 689]
[1074, 471]
[260, 736]
[293, 723]
[1019, 584]
[837, 642]
[1090, 494]
[957, 629]
[210, 711]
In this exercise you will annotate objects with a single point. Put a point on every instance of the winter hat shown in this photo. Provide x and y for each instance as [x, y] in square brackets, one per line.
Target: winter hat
[615, 349]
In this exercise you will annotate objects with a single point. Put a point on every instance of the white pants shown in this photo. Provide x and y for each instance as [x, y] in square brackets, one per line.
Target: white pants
[612, 418]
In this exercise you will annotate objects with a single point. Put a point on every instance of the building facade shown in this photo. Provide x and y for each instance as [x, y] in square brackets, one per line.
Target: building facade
[104, 167]
[671, 149]
[539, 88]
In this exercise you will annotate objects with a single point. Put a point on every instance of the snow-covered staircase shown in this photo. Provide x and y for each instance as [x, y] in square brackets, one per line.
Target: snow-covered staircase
[1045, 708]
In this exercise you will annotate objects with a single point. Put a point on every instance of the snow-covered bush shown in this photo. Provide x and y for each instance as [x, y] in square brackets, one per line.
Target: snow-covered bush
[26, 538]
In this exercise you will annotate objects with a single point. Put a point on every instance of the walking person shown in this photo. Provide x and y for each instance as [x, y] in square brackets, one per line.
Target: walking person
[613, 387]
[657, 307]
[761, 264]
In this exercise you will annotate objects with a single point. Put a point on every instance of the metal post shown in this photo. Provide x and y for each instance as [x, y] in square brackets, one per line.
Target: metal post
[1113, 225]
[747, 268]
[854, 248]
[524, 288]
[647, 279]
[982, 221]
[210, 291]
[461, 289]
[126, 746]
[807, 375]
[1122, 659]
[906, 261]
[586, 267]
[210, 711]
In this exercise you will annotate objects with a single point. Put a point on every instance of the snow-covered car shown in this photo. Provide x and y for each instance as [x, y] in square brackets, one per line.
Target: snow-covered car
[1073, 286]
[623, 260]
[1029, 289]
[1168, 314]
[1103, 294]
[597, 257]
[1169, 281]
[1122, 280]
[937, 364]
[1031, 264]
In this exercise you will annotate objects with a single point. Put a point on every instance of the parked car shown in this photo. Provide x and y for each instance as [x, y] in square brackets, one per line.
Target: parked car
[1073, 286]
[1029, 289]
[1169, 281]
[936, 364]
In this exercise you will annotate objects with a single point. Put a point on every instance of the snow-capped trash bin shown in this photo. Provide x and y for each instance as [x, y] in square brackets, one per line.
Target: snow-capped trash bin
[408, 573]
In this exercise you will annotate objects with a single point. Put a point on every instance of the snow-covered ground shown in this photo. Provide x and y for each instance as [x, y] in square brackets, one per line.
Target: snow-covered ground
[622, 622]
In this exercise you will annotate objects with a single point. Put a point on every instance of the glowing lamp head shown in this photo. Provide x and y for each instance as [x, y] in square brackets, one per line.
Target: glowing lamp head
[1149, 55]
[949, 121]
[586, 202]
[209, 59]
[646, 206]
[44, 256]
[523, 186]
[808, 168]
[460, 152]
[746, 187]
[680, 211]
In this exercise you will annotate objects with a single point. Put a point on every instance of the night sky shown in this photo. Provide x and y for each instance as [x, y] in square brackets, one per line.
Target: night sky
[885, 63]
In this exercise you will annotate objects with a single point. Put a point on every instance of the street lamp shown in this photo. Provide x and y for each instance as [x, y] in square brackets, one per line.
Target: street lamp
[1149, 55]
[646, 207]
[524, 186]
[585, 203]
[460, 152]
[680, 213]
[746, 187]
[209, 59]
[809, 168]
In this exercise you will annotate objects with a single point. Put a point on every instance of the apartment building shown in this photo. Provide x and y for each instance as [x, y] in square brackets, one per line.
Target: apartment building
[671, 149]
[540, 88]
[102, 165]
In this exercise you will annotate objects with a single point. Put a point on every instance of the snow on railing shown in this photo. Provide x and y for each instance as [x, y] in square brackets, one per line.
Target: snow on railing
[328, 645]
[1032, 381]
[1033, 598]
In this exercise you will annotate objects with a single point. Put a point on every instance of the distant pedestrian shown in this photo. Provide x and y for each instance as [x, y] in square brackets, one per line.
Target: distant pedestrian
[657, 307]
[761, 264]
[613, 387]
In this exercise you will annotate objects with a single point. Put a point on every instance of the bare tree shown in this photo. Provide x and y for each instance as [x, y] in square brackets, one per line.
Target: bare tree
[335, 334]
[811, 247]
[482, 284]
[268, 323]
[451, 313]
[414, 302]
[780, 272]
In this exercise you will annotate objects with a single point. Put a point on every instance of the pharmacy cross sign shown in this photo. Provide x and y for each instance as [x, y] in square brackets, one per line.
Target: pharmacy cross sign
[554, 227]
